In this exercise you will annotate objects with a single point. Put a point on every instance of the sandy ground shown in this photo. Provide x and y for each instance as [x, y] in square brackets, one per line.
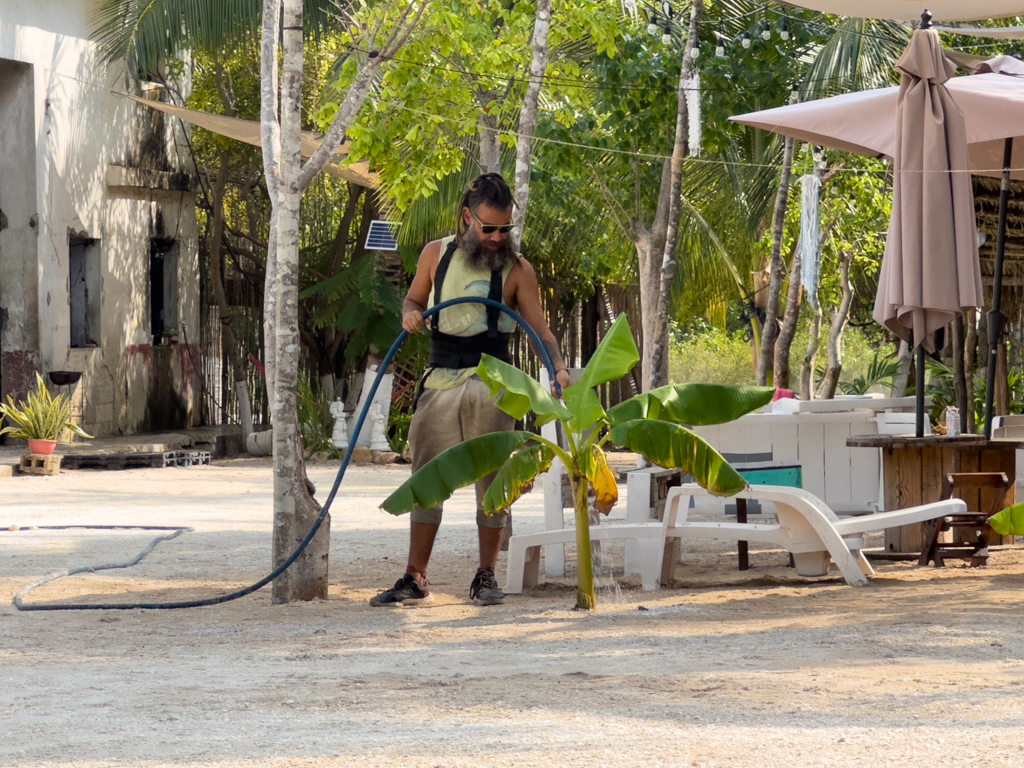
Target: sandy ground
[759, 668]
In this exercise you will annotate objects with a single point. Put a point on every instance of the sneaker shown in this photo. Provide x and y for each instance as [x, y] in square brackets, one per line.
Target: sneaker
[406, 591]
[484, 590]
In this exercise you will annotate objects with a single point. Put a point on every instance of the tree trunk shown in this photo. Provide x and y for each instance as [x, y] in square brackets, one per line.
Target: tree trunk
[528, 117]
[959, 374]
[782, 374]
[970, 365]
[658, 369]
[650, 243]
[778, 268]
[901, 381]
[827, 390]
[294, 509]
[231, 347]
[490, 146]
[590, 319]
[586, 598]
[286, 176]
[810, 355]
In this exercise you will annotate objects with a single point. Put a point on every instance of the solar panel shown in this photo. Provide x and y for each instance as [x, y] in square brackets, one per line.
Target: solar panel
[383, 236]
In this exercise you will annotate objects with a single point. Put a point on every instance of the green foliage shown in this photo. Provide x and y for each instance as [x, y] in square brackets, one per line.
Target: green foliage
[673, 446]
[1009, 522]
[315, 420]
[516, 477]
[360, 301]
[712, 355]
[399, 420]
[614, 358]
[518, 393]
[694, 404]
[881, 372]
[41, 416]
[455, 468]
[519, 456]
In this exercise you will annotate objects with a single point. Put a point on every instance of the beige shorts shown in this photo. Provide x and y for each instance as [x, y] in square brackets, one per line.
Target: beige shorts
[445, 418]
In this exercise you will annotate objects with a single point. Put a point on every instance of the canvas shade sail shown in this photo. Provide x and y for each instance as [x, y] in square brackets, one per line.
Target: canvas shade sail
[995, 33]
[864, 122]
[911, 10]
[248, 132]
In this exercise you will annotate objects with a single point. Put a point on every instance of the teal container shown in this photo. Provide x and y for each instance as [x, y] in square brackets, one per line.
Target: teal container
[790, 476]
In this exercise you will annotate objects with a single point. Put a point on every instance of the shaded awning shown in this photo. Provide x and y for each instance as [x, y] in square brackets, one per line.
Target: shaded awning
[248, 132]
[998, 33]
[911, 10]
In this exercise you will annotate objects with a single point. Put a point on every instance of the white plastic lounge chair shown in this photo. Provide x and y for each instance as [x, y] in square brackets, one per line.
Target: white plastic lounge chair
[807, 528]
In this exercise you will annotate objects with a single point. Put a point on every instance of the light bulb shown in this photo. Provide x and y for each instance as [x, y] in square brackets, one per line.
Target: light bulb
[666, 38]
[745, 42]
[652, 28]
[720, 48]
[784, 32]
[766, 33]
[694, 52]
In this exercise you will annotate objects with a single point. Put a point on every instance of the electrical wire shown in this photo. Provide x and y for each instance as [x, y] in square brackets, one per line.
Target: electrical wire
[21, 605]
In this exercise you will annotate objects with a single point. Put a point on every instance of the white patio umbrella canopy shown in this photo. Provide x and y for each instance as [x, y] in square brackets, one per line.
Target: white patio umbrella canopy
[911, 10]
[864, 122]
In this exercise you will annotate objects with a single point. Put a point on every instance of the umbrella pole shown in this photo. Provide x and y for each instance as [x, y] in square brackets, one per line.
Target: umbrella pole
[996, 319]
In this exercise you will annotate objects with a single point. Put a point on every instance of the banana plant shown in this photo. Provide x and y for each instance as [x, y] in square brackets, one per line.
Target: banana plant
[651, 423]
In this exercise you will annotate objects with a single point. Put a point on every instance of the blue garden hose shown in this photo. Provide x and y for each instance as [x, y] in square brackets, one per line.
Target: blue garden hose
[21, 606]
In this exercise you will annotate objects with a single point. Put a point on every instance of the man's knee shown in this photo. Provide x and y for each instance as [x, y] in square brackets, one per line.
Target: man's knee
[497, 520]
[430, 516]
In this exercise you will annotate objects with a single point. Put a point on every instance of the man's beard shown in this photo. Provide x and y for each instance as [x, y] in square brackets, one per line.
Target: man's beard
[488, 255]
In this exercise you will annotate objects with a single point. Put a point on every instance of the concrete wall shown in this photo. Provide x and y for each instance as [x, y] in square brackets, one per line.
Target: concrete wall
[79, 162]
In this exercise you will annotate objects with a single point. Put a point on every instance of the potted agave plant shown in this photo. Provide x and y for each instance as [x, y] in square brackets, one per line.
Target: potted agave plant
[41, 418]
[651, 423]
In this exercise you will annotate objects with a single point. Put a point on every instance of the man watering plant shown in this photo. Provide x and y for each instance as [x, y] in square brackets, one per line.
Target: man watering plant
[454, 404]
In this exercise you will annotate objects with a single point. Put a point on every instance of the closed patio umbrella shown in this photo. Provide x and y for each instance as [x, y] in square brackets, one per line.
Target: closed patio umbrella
[986, 111]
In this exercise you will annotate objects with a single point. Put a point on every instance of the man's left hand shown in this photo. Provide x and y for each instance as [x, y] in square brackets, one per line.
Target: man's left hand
[564, 380]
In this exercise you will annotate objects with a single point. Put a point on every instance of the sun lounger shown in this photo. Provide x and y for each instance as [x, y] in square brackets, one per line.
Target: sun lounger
[806, 527]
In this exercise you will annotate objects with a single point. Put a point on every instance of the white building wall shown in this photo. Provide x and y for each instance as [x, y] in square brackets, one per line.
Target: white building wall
[82, 137]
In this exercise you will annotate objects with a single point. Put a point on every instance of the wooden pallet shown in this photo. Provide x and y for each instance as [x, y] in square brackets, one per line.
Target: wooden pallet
[38, 464]
[115, 461]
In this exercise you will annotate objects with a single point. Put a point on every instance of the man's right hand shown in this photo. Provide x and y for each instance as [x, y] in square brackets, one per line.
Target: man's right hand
[413, 321]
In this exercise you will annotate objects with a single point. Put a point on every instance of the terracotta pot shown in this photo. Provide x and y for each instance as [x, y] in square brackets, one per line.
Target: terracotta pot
[41, 447]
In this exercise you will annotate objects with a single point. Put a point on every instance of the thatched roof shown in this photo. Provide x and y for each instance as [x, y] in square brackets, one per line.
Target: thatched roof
[986, 204]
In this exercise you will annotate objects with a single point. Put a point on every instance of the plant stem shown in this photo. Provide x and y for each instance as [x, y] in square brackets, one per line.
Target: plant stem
[585, 596]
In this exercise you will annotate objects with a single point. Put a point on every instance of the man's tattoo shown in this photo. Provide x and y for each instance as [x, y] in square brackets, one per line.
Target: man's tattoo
[552, 349]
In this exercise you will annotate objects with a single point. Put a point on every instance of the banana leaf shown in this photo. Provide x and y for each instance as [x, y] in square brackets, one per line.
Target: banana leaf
[1009, 522]
[694, 404]
[518, 392]
[457, 467]
[675, 447]
[614, 357]
[516, 477]
[584, 405]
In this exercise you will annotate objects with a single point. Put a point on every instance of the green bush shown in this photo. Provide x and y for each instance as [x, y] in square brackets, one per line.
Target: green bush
[315, 419]
[711, 356]
[398, 428]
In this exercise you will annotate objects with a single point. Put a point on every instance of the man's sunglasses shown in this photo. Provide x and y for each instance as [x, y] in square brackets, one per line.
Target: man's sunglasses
[489, 229]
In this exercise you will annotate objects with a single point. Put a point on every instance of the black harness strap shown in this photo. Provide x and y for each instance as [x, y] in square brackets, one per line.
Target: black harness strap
[449, 351]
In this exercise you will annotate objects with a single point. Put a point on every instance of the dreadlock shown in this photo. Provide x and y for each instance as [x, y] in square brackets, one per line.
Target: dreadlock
[491, 190]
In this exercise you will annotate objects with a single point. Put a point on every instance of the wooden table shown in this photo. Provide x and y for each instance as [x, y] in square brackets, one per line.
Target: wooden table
[913, 468]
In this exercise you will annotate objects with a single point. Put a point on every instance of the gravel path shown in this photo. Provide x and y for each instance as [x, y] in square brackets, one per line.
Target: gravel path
[726, 669]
